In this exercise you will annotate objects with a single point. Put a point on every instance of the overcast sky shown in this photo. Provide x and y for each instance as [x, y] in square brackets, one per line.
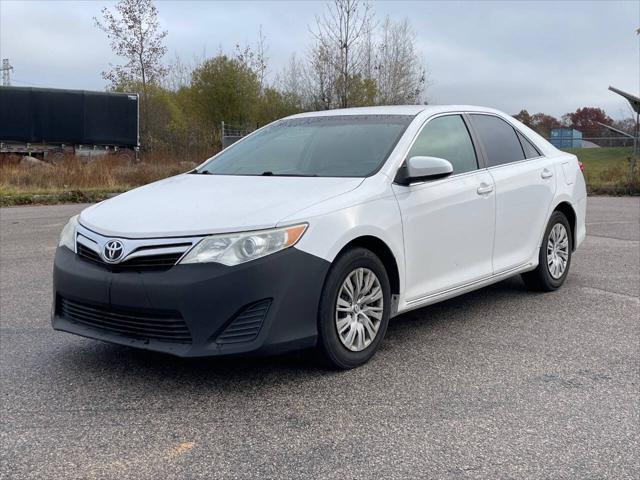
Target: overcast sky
[544, 56]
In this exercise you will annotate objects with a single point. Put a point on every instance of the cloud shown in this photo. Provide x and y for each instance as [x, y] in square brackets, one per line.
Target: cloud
[543, 56]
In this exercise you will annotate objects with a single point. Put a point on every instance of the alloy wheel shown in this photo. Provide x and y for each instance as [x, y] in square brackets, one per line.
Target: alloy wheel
[359, 309]
[557, 251]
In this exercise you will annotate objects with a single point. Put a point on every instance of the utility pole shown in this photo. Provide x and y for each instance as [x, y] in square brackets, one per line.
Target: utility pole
[6, 72]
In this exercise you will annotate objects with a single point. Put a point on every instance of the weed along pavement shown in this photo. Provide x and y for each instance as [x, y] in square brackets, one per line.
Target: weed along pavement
[498, 383]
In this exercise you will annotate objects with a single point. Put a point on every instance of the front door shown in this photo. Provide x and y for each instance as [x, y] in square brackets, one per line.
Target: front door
[447, 223]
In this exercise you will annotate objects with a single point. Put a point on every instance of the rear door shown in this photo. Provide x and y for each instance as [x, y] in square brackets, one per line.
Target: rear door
[448, 222]
[525, 184]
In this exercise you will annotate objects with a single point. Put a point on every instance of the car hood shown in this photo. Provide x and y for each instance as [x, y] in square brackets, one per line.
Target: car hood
[190, 205]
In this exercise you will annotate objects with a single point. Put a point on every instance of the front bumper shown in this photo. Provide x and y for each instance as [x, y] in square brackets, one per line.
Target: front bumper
[207, 298]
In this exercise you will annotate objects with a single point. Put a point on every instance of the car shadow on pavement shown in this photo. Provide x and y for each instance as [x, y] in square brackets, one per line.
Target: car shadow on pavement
[94, 358]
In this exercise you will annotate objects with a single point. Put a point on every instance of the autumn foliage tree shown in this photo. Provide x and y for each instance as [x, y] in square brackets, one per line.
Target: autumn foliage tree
[540, 122]
[588, 120]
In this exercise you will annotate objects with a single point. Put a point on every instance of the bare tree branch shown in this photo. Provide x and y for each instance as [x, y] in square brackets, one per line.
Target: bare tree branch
[338, 55]
[134, 32]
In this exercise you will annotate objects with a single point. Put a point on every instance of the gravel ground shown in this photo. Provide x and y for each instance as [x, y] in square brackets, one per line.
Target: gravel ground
[499, 383]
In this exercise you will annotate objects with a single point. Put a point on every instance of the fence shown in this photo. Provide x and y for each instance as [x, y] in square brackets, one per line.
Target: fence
[591, 142]
[229, 134]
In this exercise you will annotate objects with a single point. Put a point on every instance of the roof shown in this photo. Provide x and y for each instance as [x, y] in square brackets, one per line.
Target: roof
[395, 110]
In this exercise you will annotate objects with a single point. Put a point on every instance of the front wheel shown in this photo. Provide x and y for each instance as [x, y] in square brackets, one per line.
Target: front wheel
[354, 309]
[554, 258]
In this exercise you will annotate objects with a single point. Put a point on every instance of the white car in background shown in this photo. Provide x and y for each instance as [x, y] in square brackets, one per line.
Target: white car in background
[317, 229]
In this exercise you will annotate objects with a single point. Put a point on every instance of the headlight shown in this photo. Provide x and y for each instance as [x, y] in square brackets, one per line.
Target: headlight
[235, 248]
[68, 235]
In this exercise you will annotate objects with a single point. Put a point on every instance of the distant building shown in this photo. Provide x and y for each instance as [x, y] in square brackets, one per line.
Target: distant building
[566, 138]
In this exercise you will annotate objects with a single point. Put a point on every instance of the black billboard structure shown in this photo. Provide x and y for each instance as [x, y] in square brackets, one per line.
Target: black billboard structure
[44, 120]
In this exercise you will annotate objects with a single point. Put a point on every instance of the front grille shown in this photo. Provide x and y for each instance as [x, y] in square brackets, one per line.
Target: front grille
[88, 254]
[246, 326]
[148, 262]
[163, 261]
[161, 325]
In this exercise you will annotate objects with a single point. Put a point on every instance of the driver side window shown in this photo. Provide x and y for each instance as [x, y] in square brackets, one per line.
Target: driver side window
[447, 137]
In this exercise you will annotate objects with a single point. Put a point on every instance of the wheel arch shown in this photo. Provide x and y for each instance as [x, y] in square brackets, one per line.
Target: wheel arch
[567, 209]
[383, 252]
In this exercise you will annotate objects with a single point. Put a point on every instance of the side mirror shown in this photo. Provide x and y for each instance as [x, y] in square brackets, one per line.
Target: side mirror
[423, 168]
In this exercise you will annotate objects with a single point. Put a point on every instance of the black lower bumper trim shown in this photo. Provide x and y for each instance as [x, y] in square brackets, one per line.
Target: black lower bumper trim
[265, 306]
[159, 325]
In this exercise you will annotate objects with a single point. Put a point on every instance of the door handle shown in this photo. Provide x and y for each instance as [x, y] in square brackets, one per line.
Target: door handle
[546, 173]
[484, 189]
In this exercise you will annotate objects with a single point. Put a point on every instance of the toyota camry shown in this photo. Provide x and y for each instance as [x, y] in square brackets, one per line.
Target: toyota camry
[316, 230]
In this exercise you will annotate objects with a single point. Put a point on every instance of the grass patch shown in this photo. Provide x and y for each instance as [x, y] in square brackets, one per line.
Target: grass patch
[47, 198]
[597, 160]
[74, 180]
[609, 170]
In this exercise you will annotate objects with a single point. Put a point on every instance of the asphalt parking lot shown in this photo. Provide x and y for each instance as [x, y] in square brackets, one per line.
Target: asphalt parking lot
[499, 383]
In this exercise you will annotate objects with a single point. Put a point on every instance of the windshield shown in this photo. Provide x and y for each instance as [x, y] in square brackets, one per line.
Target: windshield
[339, 146]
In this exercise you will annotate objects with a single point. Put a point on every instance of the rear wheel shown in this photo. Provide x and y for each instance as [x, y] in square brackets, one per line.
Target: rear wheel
[554, 258]
[354, 309]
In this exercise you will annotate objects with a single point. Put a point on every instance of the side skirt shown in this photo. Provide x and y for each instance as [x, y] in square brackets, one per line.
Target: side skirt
[461, 289]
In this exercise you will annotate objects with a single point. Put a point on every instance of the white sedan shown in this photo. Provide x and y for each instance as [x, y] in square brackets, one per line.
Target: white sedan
[317, 229]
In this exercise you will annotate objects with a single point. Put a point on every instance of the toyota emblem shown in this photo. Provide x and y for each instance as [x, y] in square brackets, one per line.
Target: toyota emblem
[113, 251]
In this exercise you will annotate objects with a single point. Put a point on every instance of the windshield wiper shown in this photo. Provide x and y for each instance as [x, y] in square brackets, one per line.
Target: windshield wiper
[200, 172]
[269, 173]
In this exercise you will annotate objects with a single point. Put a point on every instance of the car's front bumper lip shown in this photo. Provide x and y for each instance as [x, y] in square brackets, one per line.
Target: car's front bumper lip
[207, 297]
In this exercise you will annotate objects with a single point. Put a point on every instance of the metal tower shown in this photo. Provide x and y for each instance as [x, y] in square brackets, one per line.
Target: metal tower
[6, 72]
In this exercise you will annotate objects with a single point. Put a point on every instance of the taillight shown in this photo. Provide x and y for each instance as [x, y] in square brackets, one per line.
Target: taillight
[581, 165]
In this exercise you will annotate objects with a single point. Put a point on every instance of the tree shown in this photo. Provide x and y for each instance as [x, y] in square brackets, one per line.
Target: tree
[355, 61]
[340, 34]
[524, 117]
[322, 80]
[291, 82]
[224, 89]
[626, 125]
[588, 120]
[362, 91]
[255, 58]
[398, 70]
[179, 71]
[543, 123]
[134, 31]
[273, 105]
[540, 122]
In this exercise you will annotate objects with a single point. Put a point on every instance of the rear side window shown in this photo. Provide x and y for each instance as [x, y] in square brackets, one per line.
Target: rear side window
[499, 140]
[447, 137]
[529, 150]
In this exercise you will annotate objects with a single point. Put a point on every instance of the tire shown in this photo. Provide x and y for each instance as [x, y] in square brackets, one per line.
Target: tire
[360, 265]
[548, 277]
